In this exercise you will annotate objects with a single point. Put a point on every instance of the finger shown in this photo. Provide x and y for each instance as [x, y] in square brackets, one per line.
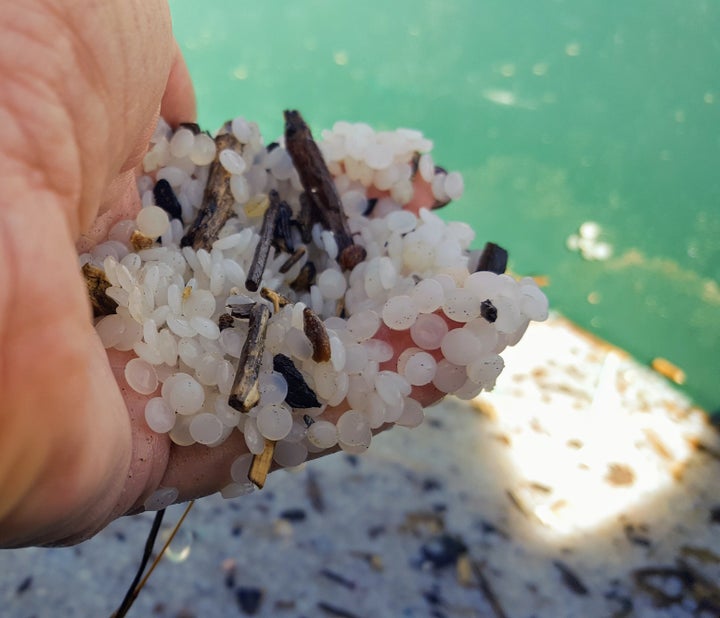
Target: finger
[179, 103]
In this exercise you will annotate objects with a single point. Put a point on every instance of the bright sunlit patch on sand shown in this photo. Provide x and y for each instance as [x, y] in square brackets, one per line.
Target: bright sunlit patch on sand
[591, 434]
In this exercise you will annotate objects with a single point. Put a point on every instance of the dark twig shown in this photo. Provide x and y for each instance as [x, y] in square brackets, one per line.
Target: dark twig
[245, 394]
[218, 201]
[318, 183]
[262, 250]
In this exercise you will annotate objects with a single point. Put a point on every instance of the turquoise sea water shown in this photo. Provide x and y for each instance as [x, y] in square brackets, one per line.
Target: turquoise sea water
[556, 112]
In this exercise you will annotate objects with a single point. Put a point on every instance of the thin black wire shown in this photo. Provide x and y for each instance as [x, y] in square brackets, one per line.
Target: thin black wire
[147, 553]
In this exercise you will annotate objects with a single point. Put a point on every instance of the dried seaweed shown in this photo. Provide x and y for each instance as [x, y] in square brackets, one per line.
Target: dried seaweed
[488, 310]
[97, 284]
[167, 200]
[299, 394]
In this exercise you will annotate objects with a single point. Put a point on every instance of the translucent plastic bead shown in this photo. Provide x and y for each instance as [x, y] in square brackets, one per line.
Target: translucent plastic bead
[289, 454]
[273, 388]
[428, 295]
[110, 330]
[460, 346]
[413, 414]
[205, 327]
[332, 284]
[428, 331]
[363, 325]
[322, 434]
[274, 421]
[152, 221]
[141, 376]
[253, 438]
[378, 350]
[160, 499]
[417, 367]
[232, 161]
[461, 305]
[199, 303]
[486, 370]
[354, 434]
[454, 186]
[181, 143]
[185, 394]
[206, 428]
[399, 312]
[533, 303]
[449, 377]
[401, 221]
[158, 415]
[203, 150]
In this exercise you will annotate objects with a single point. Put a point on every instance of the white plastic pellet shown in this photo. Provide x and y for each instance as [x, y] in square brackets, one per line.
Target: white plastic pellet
[110, 330]
[486, 370]
[449, 377]
[198, 303]
[401, 221]
[274, 421]
[454, 185]
[332, 284]
[322, 434]
[428, 295]
[161, 498]
[152, 221]
[399, 312]
[186, 395]
[273, 388]
[378, 350]
[205, 327]
[206, 428]
[461, 305]
[240, 188]
[289, 454]
[418, 367]
[428, 331]
[158, 415]
[232, 161]
[203, 150]
[181, 143]
[412, 415]
[140, 376]
[460, 346]
[363, 325]
[354, 434]
[253, 438]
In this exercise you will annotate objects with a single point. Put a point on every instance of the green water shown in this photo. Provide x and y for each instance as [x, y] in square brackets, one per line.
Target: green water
[555, 112]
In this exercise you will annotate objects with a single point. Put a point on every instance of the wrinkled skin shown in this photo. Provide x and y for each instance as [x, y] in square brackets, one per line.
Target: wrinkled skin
[81, 86]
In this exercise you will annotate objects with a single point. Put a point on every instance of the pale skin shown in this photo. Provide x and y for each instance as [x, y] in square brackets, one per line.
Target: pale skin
[81, 87]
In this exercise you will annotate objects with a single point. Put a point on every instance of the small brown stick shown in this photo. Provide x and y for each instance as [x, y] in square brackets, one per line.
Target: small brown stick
[315, 331]
[245, 394]
[262, 250]
[242, 311]
[218, 201]
[97, 284]
[278, 300]
[316, 179]
[260, 465]
[292, 260]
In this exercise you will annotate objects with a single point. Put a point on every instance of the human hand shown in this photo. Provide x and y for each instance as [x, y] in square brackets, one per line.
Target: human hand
[79, 105]
[82, 86]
